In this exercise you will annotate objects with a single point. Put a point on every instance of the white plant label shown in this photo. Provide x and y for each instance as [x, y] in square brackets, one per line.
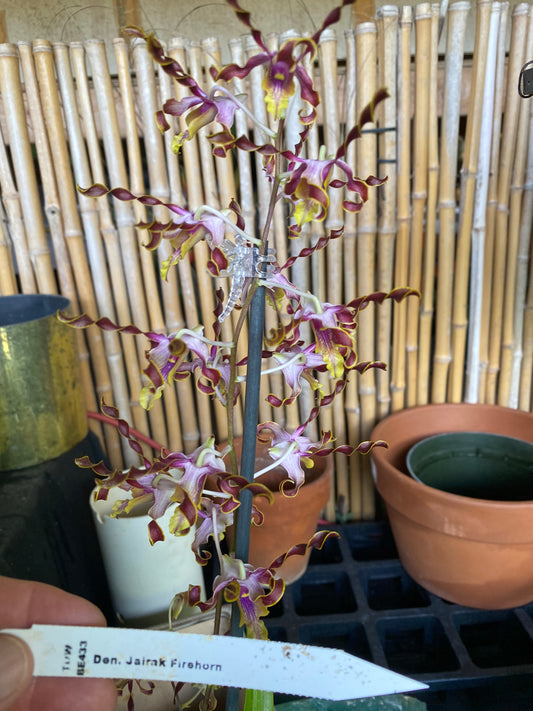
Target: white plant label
[302, 670]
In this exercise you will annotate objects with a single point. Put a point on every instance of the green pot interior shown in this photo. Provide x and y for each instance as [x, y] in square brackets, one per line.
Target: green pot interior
[475, 464]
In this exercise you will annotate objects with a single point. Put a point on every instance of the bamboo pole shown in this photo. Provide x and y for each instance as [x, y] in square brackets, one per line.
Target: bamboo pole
[116, 168]
[14, 223]
[523, 311]
[193, 179]
[366, 53]
[468, 184]
[52, 209]
[300, 275]
[96, 214]
[257, 105]
[419, 195]
[148, 103]
[99, 225]
[480, 209]
[517, 252]
[8, 282]
[388, 17]
[457, 19]
[127, 12]
[109, 368]
[185, 391]
[526, 377]
[363, 11]
[4, 37]
[351, 394]
[218, 185]
[279, 223]
[401, 269]
[150, 279]
[427, 302]
[244, 163]
[334, 220]
[492, 201]
[502, 242]
[300, 272]
[317, 266]
[211, 193]
[26, 180]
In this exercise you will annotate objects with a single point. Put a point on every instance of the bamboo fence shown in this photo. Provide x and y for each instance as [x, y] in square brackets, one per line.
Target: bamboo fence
[454, 219]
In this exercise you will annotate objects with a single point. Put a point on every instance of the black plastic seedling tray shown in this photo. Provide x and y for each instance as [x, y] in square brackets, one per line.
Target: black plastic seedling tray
[356, 596]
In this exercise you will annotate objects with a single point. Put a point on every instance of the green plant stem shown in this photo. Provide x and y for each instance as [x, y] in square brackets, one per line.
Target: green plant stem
[255, 304]
[230, 395]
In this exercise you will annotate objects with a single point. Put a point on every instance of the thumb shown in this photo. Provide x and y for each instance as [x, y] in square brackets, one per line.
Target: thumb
[16, 667]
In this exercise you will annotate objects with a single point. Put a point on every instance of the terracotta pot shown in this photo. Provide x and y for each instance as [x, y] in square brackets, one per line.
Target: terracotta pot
[470, 551]
[288, 521]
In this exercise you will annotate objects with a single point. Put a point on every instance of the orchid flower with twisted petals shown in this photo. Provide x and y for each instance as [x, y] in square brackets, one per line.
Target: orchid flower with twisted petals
[283, 68]
[333, 326]
[291, 451]
[186, 228]
[254, 590]
[202, 488]
[169, 357]
[200, 108]
[308, 179]
[296, 363]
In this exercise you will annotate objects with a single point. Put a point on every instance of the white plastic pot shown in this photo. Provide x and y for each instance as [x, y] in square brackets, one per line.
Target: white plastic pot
[142, 578]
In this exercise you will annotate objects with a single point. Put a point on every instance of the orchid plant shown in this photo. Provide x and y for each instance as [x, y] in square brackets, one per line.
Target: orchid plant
[205, 487]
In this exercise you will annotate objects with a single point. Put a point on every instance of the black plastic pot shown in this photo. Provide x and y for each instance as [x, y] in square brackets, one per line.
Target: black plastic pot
[477, 464]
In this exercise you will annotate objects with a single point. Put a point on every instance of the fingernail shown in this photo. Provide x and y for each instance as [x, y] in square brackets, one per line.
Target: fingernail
[16, 664]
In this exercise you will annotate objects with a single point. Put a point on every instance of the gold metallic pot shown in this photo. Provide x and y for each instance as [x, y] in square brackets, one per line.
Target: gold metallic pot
[42, 410]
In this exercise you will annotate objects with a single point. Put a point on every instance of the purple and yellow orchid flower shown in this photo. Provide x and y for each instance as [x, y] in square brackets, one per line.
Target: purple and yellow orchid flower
[254, 590]
[296, 363]
[169, 358]
[186, 228]
[292, 450]
[283, 68]
[200, 108]
[309, 179]
[307, 187]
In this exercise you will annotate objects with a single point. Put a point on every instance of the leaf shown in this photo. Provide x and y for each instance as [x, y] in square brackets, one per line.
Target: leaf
[258, 700]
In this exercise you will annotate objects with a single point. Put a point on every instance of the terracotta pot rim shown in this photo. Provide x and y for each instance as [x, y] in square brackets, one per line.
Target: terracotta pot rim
[460, 516]
[435, 407]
